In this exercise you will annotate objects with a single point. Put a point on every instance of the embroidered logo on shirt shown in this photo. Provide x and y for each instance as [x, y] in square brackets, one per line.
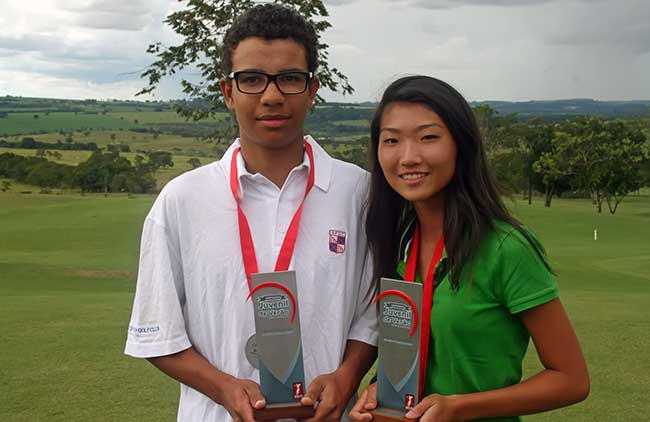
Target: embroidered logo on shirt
[337, 241]
[143, 331]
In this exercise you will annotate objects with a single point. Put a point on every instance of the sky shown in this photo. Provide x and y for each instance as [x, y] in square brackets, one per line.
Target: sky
[515, 50]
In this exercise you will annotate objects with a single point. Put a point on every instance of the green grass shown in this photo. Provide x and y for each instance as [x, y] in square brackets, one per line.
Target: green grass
[605, 286]
[153, 117]
[17, 123]
[67, 271]
[68, 266]
[355, 123]
[27, 123]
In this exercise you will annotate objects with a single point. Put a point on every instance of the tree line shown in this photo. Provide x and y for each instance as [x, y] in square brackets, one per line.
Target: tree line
[31, 143]
[586, 156]
[101, 172]
[583, 157]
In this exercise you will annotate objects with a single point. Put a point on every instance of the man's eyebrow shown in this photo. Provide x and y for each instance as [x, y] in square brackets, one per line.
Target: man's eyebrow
[293, 69]
[251, 70]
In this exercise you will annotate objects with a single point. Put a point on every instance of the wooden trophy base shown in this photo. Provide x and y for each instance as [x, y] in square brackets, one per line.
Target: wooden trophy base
[273, 412]
[385, 414]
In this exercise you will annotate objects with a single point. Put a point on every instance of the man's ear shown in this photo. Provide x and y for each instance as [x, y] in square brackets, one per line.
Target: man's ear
[313, 90]
[226, 90]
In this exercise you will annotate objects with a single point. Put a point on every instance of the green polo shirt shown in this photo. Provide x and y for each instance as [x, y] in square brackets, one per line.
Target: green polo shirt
[477, 341]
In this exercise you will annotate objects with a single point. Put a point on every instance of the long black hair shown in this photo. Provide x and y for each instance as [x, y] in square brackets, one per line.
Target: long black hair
[472, 201]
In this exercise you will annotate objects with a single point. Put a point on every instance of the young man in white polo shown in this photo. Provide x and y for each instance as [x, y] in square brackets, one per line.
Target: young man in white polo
[190, 316]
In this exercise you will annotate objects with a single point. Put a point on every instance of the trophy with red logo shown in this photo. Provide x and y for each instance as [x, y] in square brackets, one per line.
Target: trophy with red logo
[398, 367]
[279, 347]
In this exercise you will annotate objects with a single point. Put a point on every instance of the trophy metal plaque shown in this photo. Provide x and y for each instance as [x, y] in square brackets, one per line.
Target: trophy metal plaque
[279, 346]
[398, 368]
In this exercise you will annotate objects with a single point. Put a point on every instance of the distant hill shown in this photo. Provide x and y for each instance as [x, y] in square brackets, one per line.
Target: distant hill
[573, 107]
[551, 109]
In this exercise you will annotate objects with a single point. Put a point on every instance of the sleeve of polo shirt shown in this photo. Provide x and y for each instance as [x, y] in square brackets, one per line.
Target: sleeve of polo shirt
[364, 326]
[524, 280]
[157, 326]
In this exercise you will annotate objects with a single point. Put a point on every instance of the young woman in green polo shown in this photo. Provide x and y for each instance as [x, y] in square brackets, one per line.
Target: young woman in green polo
[431, 191]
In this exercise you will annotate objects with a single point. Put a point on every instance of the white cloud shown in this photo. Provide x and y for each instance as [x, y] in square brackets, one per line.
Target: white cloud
[489, 49]
[347, 50]
[449, 4]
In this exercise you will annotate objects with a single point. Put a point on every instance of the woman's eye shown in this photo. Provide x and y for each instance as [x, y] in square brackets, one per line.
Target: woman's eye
[389, 141]
[430, 137]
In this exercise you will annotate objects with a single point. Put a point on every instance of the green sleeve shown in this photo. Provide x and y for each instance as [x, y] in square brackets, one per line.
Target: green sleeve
[523, 279]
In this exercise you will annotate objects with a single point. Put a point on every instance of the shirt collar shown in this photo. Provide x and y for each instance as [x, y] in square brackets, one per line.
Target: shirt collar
[322, 161]
[407, 230]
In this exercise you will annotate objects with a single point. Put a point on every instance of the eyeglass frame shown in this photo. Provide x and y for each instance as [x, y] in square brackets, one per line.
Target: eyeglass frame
[271, 77]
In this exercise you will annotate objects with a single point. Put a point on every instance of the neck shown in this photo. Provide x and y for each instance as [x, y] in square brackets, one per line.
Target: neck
[274, 164]
[430, 214]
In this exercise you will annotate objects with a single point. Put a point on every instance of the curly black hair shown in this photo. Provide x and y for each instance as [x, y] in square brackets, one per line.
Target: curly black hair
[271, 22]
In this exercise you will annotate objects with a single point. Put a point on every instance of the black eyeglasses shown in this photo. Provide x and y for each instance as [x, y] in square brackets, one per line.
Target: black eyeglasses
[288, 83]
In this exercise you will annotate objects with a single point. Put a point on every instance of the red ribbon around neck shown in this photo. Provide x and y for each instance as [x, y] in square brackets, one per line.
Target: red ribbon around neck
[245, 237]
[427, 295]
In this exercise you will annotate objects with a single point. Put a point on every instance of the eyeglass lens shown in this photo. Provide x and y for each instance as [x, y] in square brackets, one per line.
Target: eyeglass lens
[287, 83]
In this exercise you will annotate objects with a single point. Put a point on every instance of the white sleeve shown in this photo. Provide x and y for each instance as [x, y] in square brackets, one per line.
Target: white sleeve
[364, 325]
[157, 326]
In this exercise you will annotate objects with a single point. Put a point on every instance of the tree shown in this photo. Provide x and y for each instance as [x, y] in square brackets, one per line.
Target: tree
[604, 157]
[49, 174]
[194, 163]
[28, 143]
[536, 140]
[553, 170]
[496, 130]
[159, 159]
[96, 174]
[122, 147]
[6, 185]
[201, 26]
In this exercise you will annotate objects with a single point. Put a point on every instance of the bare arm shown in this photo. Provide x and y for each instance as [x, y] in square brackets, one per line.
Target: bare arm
[564, 380]
[333, 391]
[239, 397]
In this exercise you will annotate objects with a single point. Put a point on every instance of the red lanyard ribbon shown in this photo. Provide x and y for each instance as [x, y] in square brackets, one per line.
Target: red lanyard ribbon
[427, 295]
[245, 237]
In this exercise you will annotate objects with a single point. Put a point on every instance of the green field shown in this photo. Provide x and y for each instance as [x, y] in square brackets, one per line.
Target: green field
[157, 117]
[67, 275]
[355, 123]
[17, 123]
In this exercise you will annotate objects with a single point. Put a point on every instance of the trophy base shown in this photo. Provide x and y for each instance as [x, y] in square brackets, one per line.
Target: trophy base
[273, 412]
[385, 414]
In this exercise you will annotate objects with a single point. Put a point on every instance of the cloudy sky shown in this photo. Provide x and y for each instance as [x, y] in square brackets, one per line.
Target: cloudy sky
[489, 49]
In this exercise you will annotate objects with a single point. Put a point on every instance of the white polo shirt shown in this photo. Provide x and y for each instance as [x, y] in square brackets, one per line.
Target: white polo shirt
[192, 287]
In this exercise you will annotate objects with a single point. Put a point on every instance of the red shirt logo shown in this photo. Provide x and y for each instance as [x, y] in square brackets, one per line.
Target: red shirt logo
[298, 390]
[409, 401]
